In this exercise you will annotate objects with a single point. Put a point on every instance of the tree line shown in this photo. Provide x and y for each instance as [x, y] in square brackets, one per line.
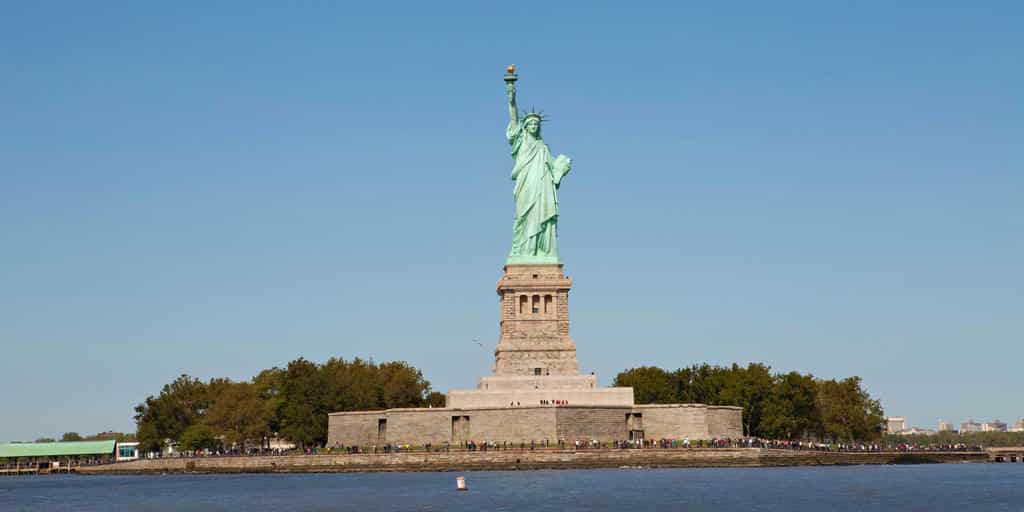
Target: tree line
[775, 405]
[102, 436]
[291, 402]
[949, 438]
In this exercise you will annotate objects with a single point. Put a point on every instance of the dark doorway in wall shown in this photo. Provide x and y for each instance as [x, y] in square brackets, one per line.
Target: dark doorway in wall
[635, 426]
[460, 429]
[382, 430]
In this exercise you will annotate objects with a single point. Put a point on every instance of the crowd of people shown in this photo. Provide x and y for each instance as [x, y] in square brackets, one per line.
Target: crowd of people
[230, 452]
[684, 443]
[958, 447]
[591, 444]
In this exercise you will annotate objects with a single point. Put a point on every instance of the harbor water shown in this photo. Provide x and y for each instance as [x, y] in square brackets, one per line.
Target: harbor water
[954, 487]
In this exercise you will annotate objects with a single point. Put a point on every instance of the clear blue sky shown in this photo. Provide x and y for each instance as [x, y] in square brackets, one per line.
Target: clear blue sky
[829, 187]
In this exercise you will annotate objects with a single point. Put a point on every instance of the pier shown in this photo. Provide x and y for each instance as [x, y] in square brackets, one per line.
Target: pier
[37, 468]
[1006, 454]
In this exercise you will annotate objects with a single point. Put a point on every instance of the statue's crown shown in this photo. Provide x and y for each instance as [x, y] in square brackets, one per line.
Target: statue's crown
[538, 115]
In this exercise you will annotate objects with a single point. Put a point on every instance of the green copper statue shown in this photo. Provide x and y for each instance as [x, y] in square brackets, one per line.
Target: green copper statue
[537, 176]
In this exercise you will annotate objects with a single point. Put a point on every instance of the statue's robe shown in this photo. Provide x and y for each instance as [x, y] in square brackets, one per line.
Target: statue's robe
[537, 176]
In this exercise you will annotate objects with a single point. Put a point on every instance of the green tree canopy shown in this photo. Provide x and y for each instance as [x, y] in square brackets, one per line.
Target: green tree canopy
[120, 437]
[293, 401]
[71, 436]
[790, 410]
[650, 385]
[982, 439]
[435, 399]
[779, 406]
[239, 415]
[303, 412]
[199, 437]
[847, 411]
[179, 405]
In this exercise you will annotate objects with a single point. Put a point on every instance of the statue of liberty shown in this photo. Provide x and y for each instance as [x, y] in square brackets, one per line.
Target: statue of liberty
[537, 176]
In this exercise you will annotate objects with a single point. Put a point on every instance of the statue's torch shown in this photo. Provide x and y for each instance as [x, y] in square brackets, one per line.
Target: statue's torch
[510, 74]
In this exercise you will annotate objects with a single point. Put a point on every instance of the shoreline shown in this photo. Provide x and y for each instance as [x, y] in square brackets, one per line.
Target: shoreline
[527, 460]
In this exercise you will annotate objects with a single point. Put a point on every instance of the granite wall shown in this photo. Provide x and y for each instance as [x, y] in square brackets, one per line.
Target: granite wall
[477, 398]
[591, 423]
[354, 428]
[536, 423]
[674, 421]
[724, 421]
[419, 426]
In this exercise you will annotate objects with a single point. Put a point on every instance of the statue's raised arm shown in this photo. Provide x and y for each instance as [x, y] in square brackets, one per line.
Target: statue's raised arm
[510, 91]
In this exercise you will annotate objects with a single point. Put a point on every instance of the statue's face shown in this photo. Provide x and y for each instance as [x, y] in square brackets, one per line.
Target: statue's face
[532, 126]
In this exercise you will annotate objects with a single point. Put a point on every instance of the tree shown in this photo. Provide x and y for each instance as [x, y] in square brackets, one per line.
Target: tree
[780, 406]
[149, 438]
[651, 385]
[269, 384]
[747, 388]
[198, 437]
[70, 436]
[293, 401]
[847, 411]
[120, 437]
[363, 385]
[46, 440]
[401, 385]
[166, 416]
[351, 386]
[705, 385]
[983, 439]
[435, 399]
[238, 414]
[790, 410]
[303, 415]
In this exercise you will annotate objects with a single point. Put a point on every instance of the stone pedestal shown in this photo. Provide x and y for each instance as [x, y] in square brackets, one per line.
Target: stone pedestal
[536, 392]
[535, 323]
[535, 361]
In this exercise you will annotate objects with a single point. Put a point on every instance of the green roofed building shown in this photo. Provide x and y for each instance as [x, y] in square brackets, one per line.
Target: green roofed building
[52, 450]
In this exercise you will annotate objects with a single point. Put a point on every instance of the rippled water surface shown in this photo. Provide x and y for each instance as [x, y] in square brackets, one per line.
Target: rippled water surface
[960, 487]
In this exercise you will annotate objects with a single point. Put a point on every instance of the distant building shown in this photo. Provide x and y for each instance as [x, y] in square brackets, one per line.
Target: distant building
[917, 431]
[993, 426]
[970, 426]
[1018, 427]
[59, 451]
[945, 427]
[279, 443]
[895, 425]
[127, 451]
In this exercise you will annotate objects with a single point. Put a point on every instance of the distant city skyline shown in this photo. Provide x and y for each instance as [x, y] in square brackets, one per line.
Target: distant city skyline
[900, 424]
[215, 189]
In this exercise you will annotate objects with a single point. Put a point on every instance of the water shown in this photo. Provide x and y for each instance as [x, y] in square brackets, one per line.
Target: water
[959, 487]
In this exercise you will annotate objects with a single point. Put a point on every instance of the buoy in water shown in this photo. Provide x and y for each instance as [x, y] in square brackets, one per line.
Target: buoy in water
[460, 483]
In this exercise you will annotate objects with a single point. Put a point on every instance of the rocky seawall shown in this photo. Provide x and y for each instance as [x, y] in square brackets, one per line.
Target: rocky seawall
[524, 460]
